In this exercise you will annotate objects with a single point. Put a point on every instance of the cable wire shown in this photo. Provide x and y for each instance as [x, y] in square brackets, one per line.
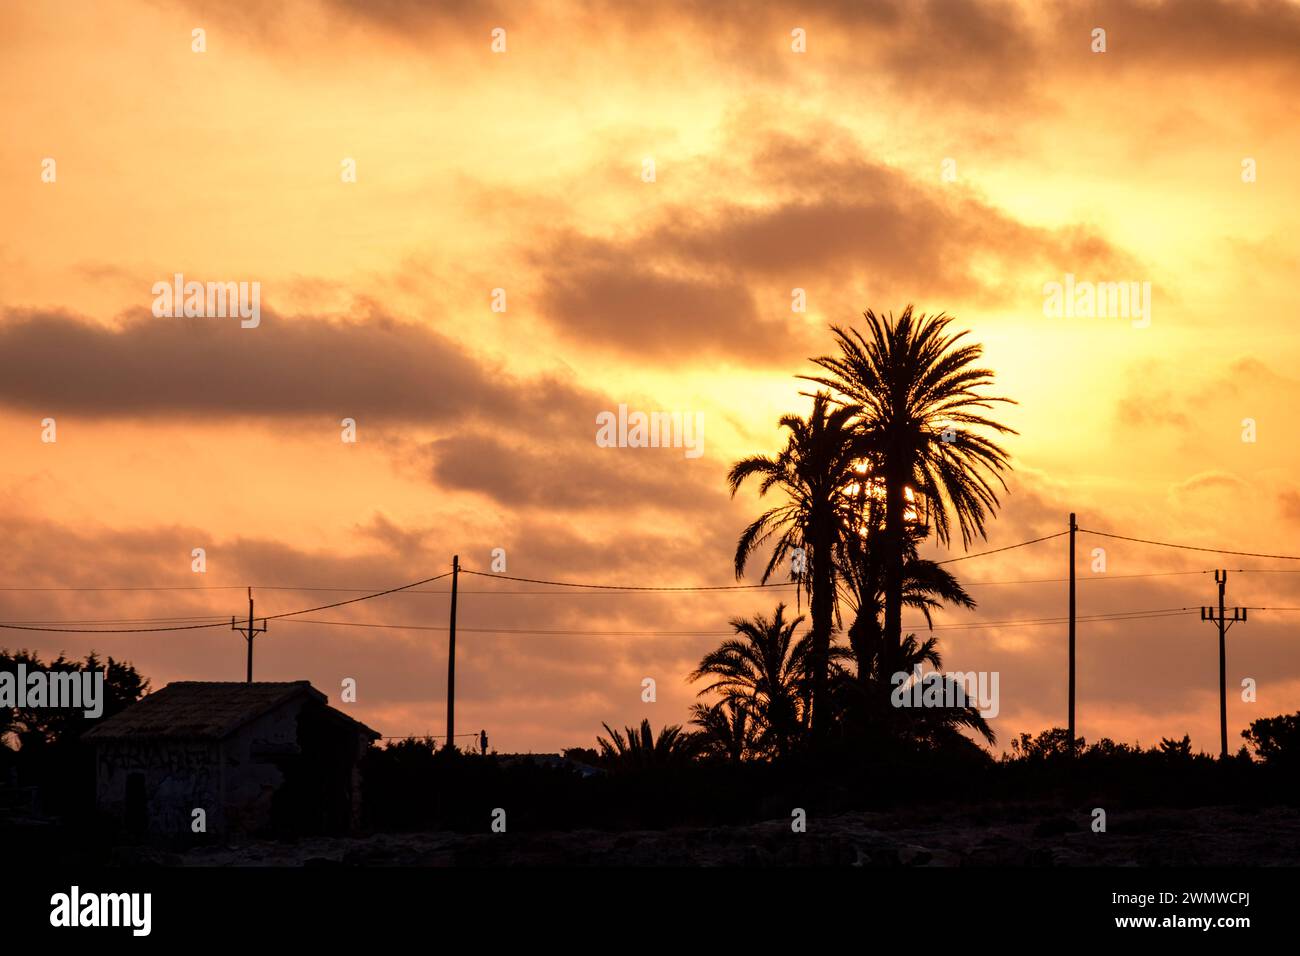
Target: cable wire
[631, 587]
[1010, 547]
[1188, 547]
[222, 623]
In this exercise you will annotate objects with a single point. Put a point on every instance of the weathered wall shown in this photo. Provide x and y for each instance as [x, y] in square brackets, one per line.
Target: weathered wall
[178, 777]
[234, 781]
[251, 776]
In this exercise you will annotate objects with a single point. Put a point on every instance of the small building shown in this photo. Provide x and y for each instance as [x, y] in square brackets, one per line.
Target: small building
[256, 758]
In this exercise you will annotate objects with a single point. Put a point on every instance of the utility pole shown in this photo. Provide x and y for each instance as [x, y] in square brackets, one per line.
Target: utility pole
[249, 633]
[1073, 528]
[451, 656]
[1224, 622]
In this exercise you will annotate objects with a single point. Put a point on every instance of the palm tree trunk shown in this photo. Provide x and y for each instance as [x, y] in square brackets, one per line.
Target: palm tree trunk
[895, 506]
[823, 598]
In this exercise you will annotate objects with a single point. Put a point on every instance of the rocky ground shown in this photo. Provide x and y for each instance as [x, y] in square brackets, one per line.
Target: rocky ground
[1002, 836]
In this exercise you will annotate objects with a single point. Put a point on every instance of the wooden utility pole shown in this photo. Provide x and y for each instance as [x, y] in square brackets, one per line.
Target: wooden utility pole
[1224, 622]
[451, 655]
[1073, 528]
[249, 633]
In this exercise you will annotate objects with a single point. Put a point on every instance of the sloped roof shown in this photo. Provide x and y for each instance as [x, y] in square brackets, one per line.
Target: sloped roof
[207, 710]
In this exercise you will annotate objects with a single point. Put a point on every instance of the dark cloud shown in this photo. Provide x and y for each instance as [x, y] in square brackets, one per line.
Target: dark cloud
[956, 48]
[378, 370]
[404, 16]
[1289, 505]
[697, 283]
[627, 296]
[570, 472]
[1207, 35]
[993, 56]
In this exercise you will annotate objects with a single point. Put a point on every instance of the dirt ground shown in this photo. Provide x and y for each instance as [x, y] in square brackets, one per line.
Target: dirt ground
[1001, 836]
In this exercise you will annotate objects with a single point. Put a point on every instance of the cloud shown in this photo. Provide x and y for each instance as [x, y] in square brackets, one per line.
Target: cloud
[1210, 481]
[1212, 34]
[623, 296]
[955, 48]
[575, 474]
[403, 17]
[715, 280]
[1289, 504]
[985, 54]
[377, 368]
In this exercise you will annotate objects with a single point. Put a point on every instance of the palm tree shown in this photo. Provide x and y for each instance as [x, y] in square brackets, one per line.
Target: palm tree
[868, 700]
[726, 729]
[920, 396]
[813, 471]
[927, 586]
[766, 671]
[642, 750]
[936, 723]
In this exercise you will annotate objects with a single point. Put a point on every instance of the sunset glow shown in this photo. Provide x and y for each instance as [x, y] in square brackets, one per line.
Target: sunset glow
[622, 209]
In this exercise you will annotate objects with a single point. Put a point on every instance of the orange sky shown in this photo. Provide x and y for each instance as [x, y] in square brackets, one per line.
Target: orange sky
[522, 170]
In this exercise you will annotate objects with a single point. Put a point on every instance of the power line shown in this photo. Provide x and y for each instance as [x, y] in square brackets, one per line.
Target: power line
[1188, 547]
[195, 619]
[1010, 547]
[917, 626]
[326, 607]
[609, 591]
[1091, 580]
[604, 590]
[111, 630]
[223, 623]
[729, 587]
[142, 587]
[631, 587]
[1062, 620]
[212, 587]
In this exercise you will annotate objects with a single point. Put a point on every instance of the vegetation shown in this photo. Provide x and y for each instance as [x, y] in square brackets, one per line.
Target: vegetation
[40, 747]
[642, 750]
[895, 448]
[762, 673]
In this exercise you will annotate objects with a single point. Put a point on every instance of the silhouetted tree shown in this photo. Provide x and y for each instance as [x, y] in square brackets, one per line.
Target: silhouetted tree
[927, 586]
[868, 704]
[50, 755]
[726, 730]
[1049, 744]
[44, 726]
[814, 472]
[1275, 739]
[920, 406]
[765, 670]
[642, 750]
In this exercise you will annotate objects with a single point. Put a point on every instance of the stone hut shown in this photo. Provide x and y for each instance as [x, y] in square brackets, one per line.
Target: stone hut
[256, 758]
